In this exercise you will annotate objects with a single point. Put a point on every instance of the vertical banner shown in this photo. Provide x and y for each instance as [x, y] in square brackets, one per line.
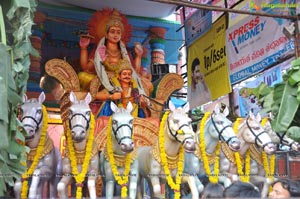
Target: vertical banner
[254, 44]
[208, 75]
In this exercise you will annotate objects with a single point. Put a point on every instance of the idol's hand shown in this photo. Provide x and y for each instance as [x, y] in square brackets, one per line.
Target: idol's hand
[138, 49]
[116, 96]
[102, 52]
[84, 41]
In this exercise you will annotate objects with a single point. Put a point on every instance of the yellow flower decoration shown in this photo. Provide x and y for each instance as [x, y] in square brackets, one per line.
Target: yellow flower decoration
[79, 177]
[213, 178]
[244, 177]
[174, 185]
[269, 169]
[122, 180]
[180, 131]
[37, 156]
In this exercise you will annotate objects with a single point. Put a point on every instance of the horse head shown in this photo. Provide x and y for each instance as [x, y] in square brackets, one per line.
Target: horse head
[180, 127]
[251, 131]
[280, 138]
[32, 118]
[79, 117]
[122, 127]
[220, 128]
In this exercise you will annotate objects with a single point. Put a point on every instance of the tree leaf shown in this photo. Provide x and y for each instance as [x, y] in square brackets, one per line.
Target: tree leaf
[284, 107]
[293, 132]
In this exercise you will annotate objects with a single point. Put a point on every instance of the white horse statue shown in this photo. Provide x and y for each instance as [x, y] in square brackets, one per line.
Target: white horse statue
[43, 160]
[250, 131]
[217, 129]
[118, 162]
[81, 159]
[265, 164]
[165, 160]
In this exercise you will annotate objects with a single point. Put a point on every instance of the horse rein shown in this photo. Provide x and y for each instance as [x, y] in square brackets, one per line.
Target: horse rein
[79, 125]
[257, 136]
[36, 122]
[283, 141]
[221, 137]
[116, 132]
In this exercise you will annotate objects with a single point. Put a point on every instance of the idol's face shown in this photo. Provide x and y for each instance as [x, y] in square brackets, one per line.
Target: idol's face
[114, 34]
[125, 76]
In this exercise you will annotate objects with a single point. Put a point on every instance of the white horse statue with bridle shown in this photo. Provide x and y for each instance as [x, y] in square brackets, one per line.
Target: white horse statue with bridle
[249, 131]
[43, 160]
[81, 159]
[265, 164]
[217, 128]
[118, 161]
[165, 160]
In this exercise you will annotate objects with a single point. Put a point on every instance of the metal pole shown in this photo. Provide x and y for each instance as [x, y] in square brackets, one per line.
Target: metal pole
[218, 8]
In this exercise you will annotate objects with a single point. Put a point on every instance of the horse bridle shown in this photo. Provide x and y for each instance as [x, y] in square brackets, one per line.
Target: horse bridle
[176, 132]
[257, 136]
[125, 137]
[36, 122]
[221, 137]
[79, 125]
[283, 141]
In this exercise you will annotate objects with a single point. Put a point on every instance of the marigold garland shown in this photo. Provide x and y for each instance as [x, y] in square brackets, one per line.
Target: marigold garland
[122, 180]
[269, 169]
[174, 185]
[79, 177]
[244, 177]
[37, 156]
[213, 178]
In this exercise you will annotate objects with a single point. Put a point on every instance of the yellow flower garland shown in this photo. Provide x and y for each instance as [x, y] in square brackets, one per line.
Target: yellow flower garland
[269, 169]
[122, 180]
[244, 177]
[174, 185]
[37, 156]
[79, 177]
[213, 178]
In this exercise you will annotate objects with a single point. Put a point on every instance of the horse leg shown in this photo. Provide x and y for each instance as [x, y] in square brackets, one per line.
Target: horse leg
[266, 188]
[62, 186]
[109, 189]
[133, 180]
[139, 187]
[17, 189]
[92, 186]
[225, 180]
[199, 184]
[192, 185]
[34, 184]
[156, 186]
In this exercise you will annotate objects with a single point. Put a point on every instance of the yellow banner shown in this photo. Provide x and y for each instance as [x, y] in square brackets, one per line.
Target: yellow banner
[208, 75]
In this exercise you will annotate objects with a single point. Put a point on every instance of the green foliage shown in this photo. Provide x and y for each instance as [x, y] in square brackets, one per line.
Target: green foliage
[283, 99]
[14, 72]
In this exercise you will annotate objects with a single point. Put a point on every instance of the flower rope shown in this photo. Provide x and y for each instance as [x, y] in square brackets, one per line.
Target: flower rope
[269, 169]
[79, 177]
[122, 180]
[37, 156]
[213, 178]
[244, 177]
[174, 185]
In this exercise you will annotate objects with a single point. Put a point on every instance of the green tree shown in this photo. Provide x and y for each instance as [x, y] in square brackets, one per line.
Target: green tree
[15, 47]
